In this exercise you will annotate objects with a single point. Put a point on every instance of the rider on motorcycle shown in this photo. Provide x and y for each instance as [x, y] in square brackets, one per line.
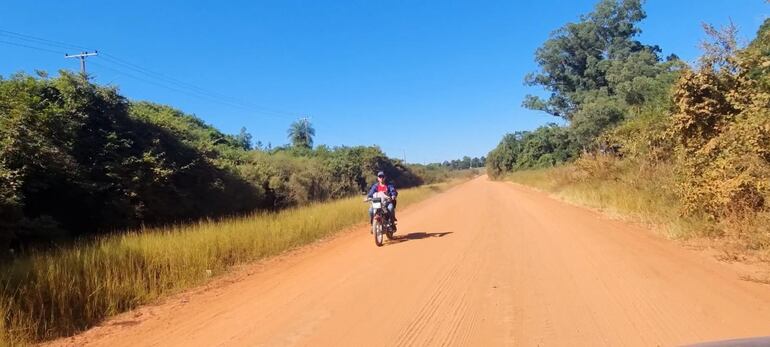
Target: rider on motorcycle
[388, 189]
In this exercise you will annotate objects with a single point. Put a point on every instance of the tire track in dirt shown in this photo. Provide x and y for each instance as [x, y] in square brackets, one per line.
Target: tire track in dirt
[484, 264]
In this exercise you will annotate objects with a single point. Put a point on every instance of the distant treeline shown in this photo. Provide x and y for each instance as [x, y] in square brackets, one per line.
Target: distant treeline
[462, 164]
[707, 126]
[77, 158]
[447, 170]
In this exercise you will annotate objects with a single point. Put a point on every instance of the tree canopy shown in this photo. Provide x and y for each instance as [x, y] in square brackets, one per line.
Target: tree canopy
[301, 133]
[78, 158]
[598, 75]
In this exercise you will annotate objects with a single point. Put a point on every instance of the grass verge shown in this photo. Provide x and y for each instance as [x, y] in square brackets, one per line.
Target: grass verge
[61, 292]
[621, 190]
[626, 190]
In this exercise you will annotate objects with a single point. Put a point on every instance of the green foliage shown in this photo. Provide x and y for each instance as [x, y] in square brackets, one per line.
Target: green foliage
[643, 139]
[447, 170]
[45, 295]
[598, 74]
[721, 126]
[594, 55]
[78, 159]
[243, 139]
[755, 57]
[600, 78]
[547, 146]
[457, 164]
[297, 175]
[301, 133]
[698, 158]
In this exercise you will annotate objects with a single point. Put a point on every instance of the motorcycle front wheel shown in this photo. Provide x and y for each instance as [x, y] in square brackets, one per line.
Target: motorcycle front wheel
[377, 231]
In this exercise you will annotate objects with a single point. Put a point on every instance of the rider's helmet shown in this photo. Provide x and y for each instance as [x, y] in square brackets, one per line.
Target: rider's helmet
[381, 174]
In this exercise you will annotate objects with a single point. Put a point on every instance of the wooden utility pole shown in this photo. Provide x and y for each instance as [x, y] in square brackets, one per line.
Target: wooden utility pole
[82, 57]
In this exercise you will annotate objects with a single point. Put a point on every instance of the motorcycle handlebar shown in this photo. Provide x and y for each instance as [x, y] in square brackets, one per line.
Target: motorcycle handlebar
[370, 199]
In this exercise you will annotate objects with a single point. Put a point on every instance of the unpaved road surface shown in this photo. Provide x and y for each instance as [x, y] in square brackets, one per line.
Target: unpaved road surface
[484, 264]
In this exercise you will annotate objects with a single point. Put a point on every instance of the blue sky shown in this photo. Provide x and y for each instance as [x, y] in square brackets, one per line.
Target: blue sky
[433, 80]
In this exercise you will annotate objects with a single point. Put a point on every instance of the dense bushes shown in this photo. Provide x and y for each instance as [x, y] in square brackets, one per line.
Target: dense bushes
[721, 125]
[545, 147]
[78, 158]
[77, 161]
[297, 175]
[704, 130]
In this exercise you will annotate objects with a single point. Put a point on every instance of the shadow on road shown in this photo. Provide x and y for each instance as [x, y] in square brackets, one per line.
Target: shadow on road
[417, 236]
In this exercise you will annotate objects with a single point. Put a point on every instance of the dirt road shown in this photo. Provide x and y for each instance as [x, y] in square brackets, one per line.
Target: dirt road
[485, 264]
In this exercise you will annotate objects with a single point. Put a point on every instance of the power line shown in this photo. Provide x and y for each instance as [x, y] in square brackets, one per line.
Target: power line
[156, 78]
[181, 84]
[188, 88]
[188, 93]
[163, 81]
[31, 47]
[30, 38]
[181, 91]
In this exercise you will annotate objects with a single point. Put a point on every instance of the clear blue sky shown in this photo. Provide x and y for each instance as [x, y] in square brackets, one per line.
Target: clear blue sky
[435, 79]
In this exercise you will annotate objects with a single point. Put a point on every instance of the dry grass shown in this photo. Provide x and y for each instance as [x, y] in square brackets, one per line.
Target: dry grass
[647, 194]
[621, 190]
[58, 293]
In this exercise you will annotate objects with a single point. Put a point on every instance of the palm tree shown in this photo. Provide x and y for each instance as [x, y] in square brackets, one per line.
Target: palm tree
[301, 133]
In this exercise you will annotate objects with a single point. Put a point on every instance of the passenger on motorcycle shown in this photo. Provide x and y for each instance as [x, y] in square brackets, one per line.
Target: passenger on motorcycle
[388, 189]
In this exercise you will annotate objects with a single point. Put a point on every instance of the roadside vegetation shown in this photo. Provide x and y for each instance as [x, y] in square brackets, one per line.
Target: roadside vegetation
[108, 203]
[685, 147]
[59, 292]
[78, 159]
[466, 167]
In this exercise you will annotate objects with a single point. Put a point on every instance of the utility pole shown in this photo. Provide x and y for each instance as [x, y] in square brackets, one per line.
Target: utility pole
[82, 57]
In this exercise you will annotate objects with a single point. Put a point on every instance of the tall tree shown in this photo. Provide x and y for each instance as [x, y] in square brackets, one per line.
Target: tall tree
[576, 60]
[244, 139]
[301, 133]
[598, 74]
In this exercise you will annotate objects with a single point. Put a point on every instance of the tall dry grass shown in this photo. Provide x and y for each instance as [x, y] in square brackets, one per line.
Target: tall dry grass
[622, 189]
[627, 190]
[61, 292]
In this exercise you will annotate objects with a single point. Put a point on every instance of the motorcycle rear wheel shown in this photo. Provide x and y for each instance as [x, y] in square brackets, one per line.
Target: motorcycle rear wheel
[389, 234]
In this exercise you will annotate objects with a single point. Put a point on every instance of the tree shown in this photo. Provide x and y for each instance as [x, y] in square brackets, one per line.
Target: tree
[243, 139]
[545, 147]
[465, 163]
[599, 75]
[78, 159]
[301, 133]
[721, 125]
[575, 61]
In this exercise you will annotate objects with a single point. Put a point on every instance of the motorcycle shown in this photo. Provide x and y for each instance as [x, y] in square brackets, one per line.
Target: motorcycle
[382, 222]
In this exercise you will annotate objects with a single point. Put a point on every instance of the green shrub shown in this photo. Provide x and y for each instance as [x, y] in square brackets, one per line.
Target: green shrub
[722, 130]
[77, 159]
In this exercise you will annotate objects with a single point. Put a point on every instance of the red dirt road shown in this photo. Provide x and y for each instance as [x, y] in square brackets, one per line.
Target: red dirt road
[484, 264]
